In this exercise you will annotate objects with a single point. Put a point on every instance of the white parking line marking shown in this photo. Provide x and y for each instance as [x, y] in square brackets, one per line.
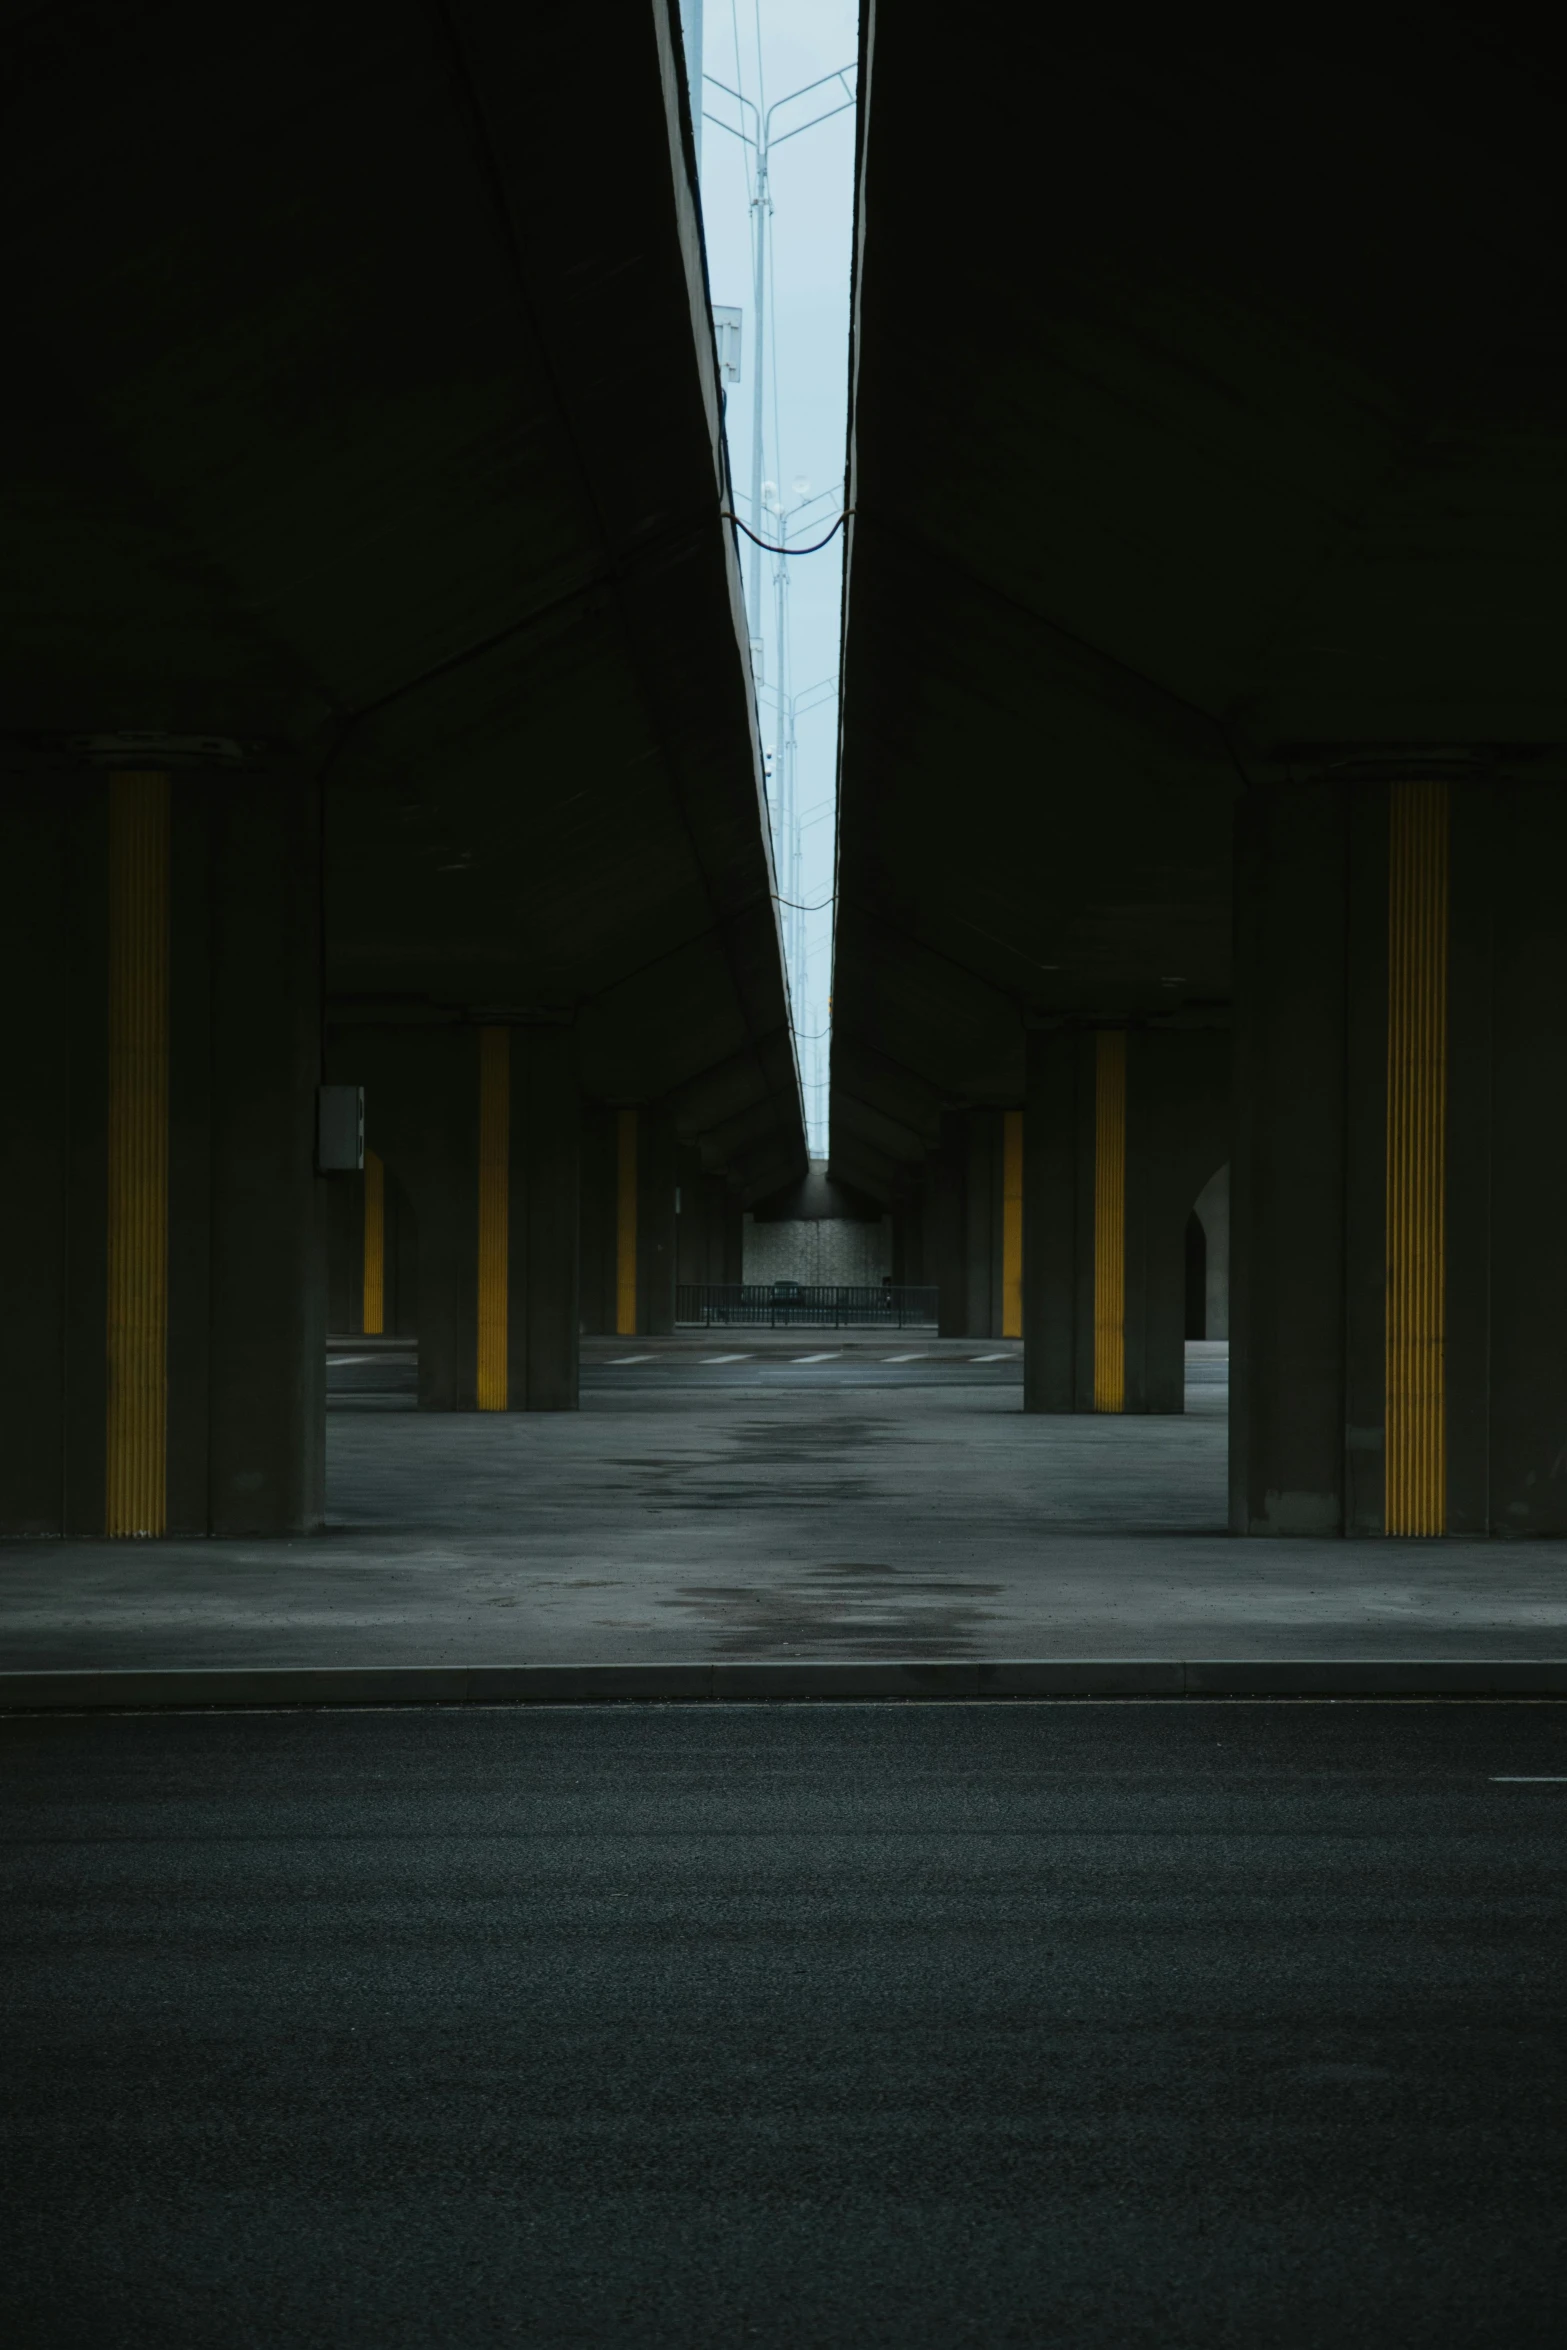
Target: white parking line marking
[990, 1358]
[1529, 1778]
[903, 1358]
[616, 1362]
[832, 1358]
[711, 1359]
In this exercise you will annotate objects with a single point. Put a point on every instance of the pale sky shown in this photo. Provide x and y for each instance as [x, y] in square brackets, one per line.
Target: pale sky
[769, 48]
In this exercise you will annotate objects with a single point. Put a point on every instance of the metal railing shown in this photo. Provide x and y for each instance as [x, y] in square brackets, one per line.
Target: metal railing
[781, 1305]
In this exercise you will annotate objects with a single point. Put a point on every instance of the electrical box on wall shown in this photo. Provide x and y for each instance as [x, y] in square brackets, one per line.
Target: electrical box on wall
[726, 341]
[340, 1129]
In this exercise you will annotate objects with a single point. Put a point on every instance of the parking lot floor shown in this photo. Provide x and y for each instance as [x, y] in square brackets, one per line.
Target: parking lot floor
[770, 1497]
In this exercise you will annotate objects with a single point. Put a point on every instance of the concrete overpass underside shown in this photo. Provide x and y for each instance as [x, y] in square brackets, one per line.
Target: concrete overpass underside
[376, 706]
[1202, 697]
[799, 1850]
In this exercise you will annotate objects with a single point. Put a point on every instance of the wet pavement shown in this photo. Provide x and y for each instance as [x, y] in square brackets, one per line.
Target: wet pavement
[855, 1507]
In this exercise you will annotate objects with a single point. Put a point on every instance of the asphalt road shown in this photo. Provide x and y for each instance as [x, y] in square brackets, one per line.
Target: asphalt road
[907, 2025]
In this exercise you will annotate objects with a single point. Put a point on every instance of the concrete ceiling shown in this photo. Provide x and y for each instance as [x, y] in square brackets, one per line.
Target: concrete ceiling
[362, 408]
[1209, 424]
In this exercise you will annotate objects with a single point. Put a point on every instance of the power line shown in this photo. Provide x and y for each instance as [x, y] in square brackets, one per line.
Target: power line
[769, 549]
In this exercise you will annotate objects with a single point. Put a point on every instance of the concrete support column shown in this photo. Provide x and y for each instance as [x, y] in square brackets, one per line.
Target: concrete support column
[637, 1244]
[344, 1259]
[1121, 1129]
[708, 1226]
[422, 1118]
[1012, 1211]
[1400, 1273]
[970, 1227]
[946, 1221]
[908, 1240]
[372, 1254]
[732, 1251]
[1212, 1210]
[543, 1195]
[599, 1218]
[657, 1243]
[628, 1222]
[265, 1359]
[479, 1125]
[164, 1358]
[982, 1225]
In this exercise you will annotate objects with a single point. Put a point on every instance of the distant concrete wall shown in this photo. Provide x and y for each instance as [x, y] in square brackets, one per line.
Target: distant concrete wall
[828, 1248]
[1213, 1214]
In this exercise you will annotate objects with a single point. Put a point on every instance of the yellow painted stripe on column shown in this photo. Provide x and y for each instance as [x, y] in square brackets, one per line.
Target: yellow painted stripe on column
[626, 1224]
[137, 1296]
[375, 1246]
[1011, 1223]
[1416, 1370]
[1110, 1221]
[494, 1212]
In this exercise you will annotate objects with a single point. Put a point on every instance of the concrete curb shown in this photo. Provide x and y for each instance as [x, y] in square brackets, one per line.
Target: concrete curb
[129, 1690]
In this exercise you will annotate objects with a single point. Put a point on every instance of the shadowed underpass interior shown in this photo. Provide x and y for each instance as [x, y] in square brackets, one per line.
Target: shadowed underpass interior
[1102, 2025]
[398, 803]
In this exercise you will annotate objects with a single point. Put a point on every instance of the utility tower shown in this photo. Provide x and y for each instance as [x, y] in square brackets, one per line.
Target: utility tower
[762, 139]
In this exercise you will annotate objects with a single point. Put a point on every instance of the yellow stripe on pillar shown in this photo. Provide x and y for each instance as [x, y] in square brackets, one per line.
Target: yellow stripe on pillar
[494, 1213]
[1110, 1221]
[1416, 1358]
[374, 1319]
[626, 1224]
[137, 1289]
[1011, 1223]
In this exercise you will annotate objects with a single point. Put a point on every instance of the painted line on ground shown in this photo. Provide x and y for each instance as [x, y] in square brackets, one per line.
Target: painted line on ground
[133, 1688]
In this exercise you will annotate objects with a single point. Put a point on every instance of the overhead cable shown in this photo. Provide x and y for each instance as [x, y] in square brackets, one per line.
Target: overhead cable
[769, 549]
